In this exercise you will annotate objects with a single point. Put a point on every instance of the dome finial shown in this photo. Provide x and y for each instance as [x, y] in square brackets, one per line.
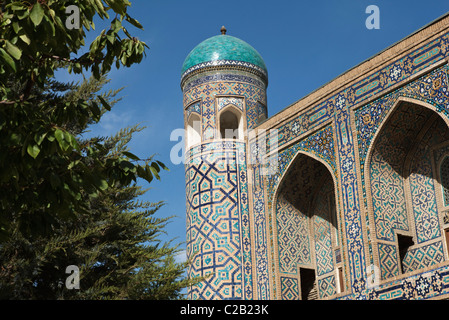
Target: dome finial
[223, 30]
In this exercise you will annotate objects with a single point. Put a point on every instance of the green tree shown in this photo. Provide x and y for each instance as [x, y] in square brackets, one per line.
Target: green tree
[44, 172]
[65, 200]
[114, 243]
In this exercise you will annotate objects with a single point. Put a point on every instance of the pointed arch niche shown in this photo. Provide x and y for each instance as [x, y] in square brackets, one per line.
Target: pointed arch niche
[231, 123]
[193, 130]
[404, 193]
[308, 241]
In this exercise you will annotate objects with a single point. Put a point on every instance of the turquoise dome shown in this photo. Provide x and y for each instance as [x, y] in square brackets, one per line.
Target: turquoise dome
[223, 50]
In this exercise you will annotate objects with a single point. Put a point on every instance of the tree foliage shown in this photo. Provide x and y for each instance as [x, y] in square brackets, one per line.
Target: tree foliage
[45, 170]
[64, 199]
[114, 239]
[116, 247]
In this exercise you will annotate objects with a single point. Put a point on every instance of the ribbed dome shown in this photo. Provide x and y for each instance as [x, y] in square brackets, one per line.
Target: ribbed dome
[223, 50]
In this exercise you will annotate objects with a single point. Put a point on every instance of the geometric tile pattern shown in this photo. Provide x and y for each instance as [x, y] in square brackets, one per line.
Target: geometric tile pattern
[350, 202]
[369, 117]
[231, 85]
[423, 257]
[261, 241]
[223, 102]
[214, 228]
[422, 188]
[323, 230]
[305, 122]
[319, 144]
[388, 198]
[195, 107]
[233, 63]
[293, 237]
[431, 88]
[388, 258]
[401, 154]
[215, 91]
[326, 287]
[289, 288]
[293, 212]
[424, 286]
[394, 161]
[421, 286]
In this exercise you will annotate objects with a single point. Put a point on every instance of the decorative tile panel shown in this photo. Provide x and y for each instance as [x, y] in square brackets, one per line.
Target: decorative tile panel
[210, 86]
[289, 288]
[423, 257]
[218, 222]
[327, 287]
[388, 260]
[388, 199]
[195, 107]
[223, 102]
[323, 229]
[293, 237]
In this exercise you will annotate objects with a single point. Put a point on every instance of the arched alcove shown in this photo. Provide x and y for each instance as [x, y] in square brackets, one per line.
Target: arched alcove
[404, 208]
[193, 130]
[231, 123]
[308, 244]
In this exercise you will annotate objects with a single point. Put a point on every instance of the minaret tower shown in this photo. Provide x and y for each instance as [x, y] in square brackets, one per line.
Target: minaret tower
[224, 83]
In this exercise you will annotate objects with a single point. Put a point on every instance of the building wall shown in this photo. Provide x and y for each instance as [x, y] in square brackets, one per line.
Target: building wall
[351, 167]
[217, 197]
[217, 221]
[343, 126]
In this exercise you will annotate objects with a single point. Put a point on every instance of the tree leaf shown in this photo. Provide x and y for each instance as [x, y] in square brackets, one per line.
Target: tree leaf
[60, 136]
[101, 183]
[25, 39]
[134, 22]
[153, 171]
[13, 50]
[163, 166]
[104, 103]
[118, 6]
[7, 58]
[156, 167]
[131, 155]
[39, 137]
[33, 150]
[37, 13]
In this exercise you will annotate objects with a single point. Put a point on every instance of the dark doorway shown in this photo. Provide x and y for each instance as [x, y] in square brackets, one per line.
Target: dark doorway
[308, 288]
[404, 243]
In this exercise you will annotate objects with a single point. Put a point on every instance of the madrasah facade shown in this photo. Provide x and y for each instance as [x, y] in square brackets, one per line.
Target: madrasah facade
[341, 195]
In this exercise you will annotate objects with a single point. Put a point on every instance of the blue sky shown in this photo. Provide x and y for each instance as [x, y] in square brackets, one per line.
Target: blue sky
[305, 44]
